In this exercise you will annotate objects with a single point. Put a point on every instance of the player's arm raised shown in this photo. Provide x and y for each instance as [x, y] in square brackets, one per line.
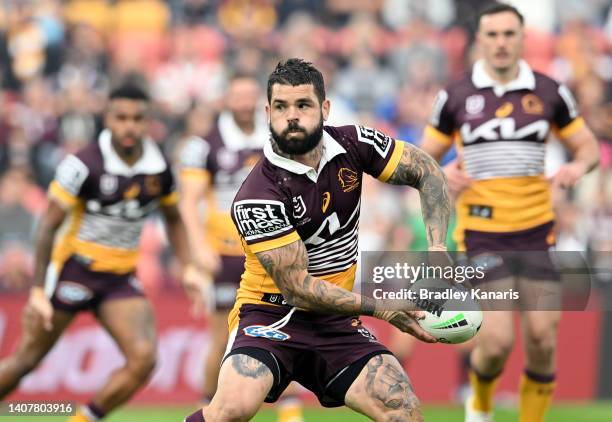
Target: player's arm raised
[288, 265]
[418, 169]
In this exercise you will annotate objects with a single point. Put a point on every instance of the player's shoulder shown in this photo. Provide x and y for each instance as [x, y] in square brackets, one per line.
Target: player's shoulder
[544, 82]
[461, 86]
[265, 181]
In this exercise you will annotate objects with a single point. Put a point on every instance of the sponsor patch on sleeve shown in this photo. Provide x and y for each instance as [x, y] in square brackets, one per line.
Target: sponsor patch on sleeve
[71, 173]
[261, 218]
[380, 141]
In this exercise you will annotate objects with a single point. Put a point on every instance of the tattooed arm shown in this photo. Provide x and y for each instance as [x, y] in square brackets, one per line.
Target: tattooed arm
[417, 169]
[288, 267]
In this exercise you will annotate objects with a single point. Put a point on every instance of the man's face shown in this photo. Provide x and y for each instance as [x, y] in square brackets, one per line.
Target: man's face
[128, 121]
[500, 38]
[296, 118]
[242, 100]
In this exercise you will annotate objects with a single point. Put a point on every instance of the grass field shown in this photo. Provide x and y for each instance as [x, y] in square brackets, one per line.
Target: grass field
[596, 412]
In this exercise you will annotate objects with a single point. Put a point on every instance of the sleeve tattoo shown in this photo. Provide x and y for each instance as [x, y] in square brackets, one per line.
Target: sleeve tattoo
[288, 267]
[417, 169]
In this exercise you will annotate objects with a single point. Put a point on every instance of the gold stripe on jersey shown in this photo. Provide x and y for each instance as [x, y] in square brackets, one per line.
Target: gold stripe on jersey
[195, 174]
[570, 129]
[393, 162]
[274, 243]
[517, 203]
[254, 285]
[65, 198]
[105, 259]
[171, 199]
[436, 135]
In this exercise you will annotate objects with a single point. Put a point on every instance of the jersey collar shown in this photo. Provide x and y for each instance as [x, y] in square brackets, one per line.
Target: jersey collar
[330, 150]
[524, 80]
[151, 161]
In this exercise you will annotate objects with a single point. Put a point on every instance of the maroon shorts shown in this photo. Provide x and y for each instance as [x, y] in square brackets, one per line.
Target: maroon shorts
[227, 281]
[522, 253]
[78, 288]
[324, 353]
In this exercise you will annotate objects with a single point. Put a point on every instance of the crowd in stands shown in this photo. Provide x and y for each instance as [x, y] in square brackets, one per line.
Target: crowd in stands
[383, 61]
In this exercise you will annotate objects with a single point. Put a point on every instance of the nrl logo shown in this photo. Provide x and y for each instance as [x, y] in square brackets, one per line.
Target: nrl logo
[299, 208]
[349, 180]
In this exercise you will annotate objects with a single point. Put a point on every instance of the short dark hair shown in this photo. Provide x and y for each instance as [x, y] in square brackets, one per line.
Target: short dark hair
[495, 8]
[130, 91]
[297, 72]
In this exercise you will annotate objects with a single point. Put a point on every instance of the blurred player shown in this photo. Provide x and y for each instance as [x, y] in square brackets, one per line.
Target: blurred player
[297, 213]
[87, 248]
[502, 114]
[213, 169]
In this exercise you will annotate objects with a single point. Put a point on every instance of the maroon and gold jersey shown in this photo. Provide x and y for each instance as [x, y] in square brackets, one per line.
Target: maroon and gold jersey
[222, 161]
[108, 203]
[282, 201]
[502, 132]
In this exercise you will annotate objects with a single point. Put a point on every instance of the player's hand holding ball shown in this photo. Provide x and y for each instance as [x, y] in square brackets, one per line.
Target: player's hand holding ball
[407, 322]
[41, 305]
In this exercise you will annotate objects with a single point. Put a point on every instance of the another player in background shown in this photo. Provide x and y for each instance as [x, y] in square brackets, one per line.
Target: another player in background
[212, 170]
[501, 116]
[87, 248]
[298, 215]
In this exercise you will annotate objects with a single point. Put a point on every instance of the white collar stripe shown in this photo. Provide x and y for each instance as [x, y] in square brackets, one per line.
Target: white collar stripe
[151, 162]
[524, 80]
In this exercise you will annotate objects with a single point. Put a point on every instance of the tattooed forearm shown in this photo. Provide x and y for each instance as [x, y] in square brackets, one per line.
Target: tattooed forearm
[417, 169]
[387, 382]
[288, 268]
[249, 367]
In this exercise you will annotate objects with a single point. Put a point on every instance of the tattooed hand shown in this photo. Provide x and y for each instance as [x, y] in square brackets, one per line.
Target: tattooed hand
[417, 169]
[407, 321]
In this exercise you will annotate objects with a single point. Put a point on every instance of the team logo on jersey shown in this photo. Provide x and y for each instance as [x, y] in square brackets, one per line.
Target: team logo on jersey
[259, 218]
[349, 179]
[474, 104]
[108, 184]
[131, 192]
[266, 332]
[504, 110]
[299, 207]
[152, 185]
[532, 104]
[326, 201]
[70, 292]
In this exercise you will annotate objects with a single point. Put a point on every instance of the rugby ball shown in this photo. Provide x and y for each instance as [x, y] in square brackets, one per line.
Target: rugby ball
[451, 314]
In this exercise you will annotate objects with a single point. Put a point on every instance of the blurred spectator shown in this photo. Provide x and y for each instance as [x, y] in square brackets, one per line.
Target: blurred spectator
[364, 82]
[20, 202]
[190, 74]
[400, 13]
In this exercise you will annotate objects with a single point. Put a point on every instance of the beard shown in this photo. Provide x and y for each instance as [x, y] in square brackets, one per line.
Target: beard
[297, 146]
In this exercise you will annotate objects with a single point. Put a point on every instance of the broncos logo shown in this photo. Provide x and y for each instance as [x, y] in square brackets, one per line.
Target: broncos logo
[349, 179]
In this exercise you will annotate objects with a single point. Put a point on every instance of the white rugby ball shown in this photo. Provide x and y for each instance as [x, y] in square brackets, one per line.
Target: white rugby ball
[451, 314]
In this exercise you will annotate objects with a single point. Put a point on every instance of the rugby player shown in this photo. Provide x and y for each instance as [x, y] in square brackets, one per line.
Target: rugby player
[212, 169]
[87, 248]
[295, 317]
[501, 115]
